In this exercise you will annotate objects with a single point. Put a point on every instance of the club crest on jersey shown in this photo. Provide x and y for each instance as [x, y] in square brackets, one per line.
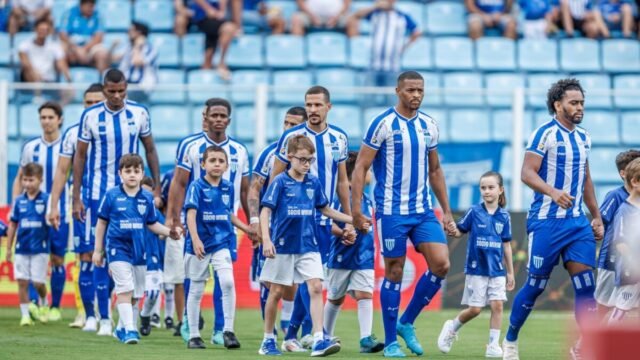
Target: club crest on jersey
[39, 208]
[389, 244]
[538, 261]
[499, 227]
[142, 208]
[225, 199]
[132, 128]
[335, 151]
[310, 193]
[427, 136]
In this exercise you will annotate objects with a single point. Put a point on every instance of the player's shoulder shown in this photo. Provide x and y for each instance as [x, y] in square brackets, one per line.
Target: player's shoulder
[544, 131]
[584, 133]
[136, 107]
[385, 116]
[430, 120]
[618, 194]
[239, 146]
[335, 130]
[225, 185]
[298, 129]
[29, 144]
[268, 151]
[191, 141]
[146, 194]
[504, 212]
[93, 110]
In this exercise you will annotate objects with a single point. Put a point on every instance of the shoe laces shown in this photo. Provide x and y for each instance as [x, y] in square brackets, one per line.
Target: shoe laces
[451, 336]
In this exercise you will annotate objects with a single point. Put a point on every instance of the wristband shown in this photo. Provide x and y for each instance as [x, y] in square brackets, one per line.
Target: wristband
[254, 220]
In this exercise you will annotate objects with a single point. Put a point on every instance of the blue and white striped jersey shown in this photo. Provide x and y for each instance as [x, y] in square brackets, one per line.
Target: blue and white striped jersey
[401, 166]
[389, 29]
[332, 148]
[564, 162]
[69, 141]
[189, 158]
[264, 165]
[110, 135]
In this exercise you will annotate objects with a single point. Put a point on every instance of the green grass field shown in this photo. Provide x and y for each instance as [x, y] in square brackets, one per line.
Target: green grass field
[545, 336]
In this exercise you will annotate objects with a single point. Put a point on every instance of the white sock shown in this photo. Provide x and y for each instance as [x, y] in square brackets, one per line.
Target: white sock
[287, 309]
[196, 289]
[269, 336]
[157, 303]
[494, 336]
[330, 317]
[24, 309]
[120, 323]
[136, 312]
[317, 337]
[365, 317]
[150, 301]
[227, 285]
[126, 315]
[44, 301]
[169, 300]
[457, 324]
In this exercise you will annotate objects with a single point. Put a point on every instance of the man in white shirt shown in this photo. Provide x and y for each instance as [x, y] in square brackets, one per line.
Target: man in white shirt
[27, 12]
[324, 14]
[40, 56]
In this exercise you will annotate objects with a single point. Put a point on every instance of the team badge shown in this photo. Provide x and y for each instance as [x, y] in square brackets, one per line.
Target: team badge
[339, 258]
[39, 208]
[499, 227]
[281, 242]
[310, 193]
[132, 128]
[389, 244]
[335, 151]
[225, 199]
[427, 136]
[538, 261]
[142, 208]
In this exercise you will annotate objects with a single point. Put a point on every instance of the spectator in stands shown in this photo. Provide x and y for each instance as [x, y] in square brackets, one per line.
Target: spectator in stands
[617, 16]
[491, 14]
[139, 62]
[40, 56]
[210, 17]
[320, 14]
[580, 14]
[540, 17]
[81, 32]
[5, 13]
[259, 14]
[24, 13]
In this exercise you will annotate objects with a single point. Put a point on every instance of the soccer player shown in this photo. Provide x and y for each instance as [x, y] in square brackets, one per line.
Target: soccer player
[210, 220]
[402, 145]
[45, 150]
[83, 269]
[33, 243]
[605, 284]
[488, 250]
[556, 168]
[350, 270]
[123, 214]
[289, 205]
[114, 128]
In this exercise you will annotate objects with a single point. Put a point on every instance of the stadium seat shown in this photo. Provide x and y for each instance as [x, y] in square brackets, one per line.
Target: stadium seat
[71, 115]
[441, 117]
[116, 14]
[12, 121]
[537, 86]
[469, 126]
[318, 45]
[119, 40]
[192, 50]
[446, 18]
[85, 75]
[29, 121]
[7, 74]
[212, 86]
[495, 54]
[245, 123]
[418, 55]
[364, 25]
[604, 127]
[598, 90]
[620, 56]
[463, 89]
[297, 80]
[503, 86]
[360, 52]
[59, 8]
[5, 49]
[540, 117]
[502, 125]
[413, 9]
[338, 81]
[169, 77]
[349, 119]
[195, 119]
[506, 168]
[157, 14]
[538, 55]
[169, 122]
[432, 88]
[246, 52]
[630, 128]
[166, 152]
[580, 55]
[14, 149]
[602, 164]
[602, 189]
[244, 78]
[371, 113]
[285, 51]
[629, 84]
[167, 46]
[453, 53]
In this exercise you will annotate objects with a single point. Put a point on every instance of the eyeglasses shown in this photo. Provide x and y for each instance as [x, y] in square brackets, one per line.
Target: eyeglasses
[304, 160]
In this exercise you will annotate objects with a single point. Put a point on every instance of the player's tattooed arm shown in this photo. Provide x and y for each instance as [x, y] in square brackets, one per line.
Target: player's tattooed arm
[253, 200]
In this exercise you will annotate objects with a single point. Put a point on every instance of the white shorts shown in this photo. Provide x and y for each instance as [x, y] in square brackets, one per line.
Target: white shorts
[128, 277]
[606, 288]
[628, 297]
[174, 261]
[535, 29]
[31, 267]
[289, 269]
[198, 270]
[481, 290]
[342, 281]
[153, 280]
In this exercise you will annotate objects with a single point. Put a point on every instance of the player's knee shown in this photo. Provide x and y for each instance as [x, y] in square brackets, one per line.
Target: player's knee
[276, 291]
[315, 287]
[474, 310]
[394, 270]
[440, 268]
[496, 306]
[337, 302]
[57, 260]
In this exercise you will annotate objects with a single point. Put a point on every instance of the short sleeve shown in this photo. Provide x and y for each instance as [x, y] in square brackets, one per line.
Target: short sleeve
[270, 198]
[25, 156]
[230, 204]
[58, 53]
[411, 24]
[151, 55]
[105, 208]
[344, 151]
[261, 166]
[24, 46]
[609, 208]
[375, 134]
[15, 217]
[193, 197]
[65, 23]
[281, 149]
[506, 231]
[246, 167]
[320, 198]
[152, 212]
[537, 143]
[84, 130]
[465, 223]
[3, 228]
[68, 145]
[435, 134]
[99, 23]
[145, 123]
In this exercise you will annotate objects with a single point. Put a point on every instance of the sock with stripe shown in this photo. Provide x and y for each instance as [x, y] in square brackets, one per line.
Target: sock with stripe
[58, 278]
[523, 305]
[427, 287]
[390, 304]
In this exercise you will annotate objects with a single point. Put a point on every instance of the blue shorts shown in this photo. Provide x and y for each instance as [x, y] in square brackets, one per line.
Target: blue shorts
[79, 240]
[88, 240]
[394, 230]
[59, 239]
[323, 236]
[571, 238]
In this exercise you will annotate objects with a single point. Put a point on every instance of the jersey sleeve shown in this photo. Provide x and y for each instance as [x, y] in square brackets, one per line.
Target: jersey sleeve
[193, 197]
[281, 149]
[105, 208]
[145, 123]
[152, 213]
[99, 28]
[84, 129]
[3, 228]
[412, 26]
[68, 145]
[609, 208]
[320, 198]
[344, 151]
[246, 167]
[183, 160]
[537, 143]
[465, 223]
[375, 134]
[435, 134]
[25, 156]
[506, 231]
[270, 198]
[230, 205]
[15, 214]
[65, 23]
[261, 167]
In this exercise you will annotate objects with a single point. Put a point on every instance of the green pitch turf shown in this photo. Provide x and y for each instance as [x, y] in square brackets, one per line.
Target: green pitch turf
[545, 336]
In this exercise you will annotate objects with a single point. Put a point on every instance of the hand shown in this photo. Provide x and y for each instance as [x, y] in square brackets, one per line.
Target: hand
[361, 222]
[8, 255]
[332, 22]
[511, 282]
[175, 233]
[254, 234]
[451, 228]
[598, 228]
[198, 248]
[447, 218]
[97, 258]
[54, 218]
[562, 198]
[158, 202]
[487, 20]
[268, 250]
[348, 237]
[78, 210]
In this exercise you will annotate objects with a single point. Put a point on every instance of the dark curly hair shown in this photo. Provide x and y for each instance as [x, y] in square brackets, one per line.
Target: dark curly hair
[556, 92]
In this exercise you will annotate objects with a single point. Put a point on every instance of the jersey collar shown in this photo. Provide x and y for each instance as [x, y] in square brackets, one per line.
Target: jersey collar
[316, 133]
[54, 142]
[225, 142]
[484, 207]
[113, 112]
[404, 118]
[562, 127]
[127, 195]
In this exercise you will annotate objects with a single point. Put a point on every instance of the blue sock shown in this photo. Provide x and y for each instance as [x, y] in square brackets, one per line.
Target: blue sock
[585, 303]
[307, 325]
[58, 277]
[264, 295]
[33, 294]
[87, 290]
[218, 311]
[426, 289]
[186, 285]
[523, 305]
[297, 316]
[390, 303]
[101, 281]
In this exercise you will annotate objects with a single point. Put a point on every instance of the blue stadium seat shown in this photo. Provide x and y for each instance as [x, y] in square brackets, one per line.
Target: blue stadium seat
[537, 86]
[116, 14]
[621, 56]
[213, 86]
[335, 79]
[440, 115]
[630, 83]
[446, 18]
[372, 112]
[246, 52]
[418, 56]
[169, 122]
[195, 118]
[538, 55]
[83, 75]
[432, 88]
[14, 149]
[540, 117]
[604, 127]
[502, 125]
[580, 55]
[504, 84]
[464, 89]
[248, 77]
[506, 168]
[630, 128]
[453, 53]
[349, 119]
[602, 164]
[167, 46]
[29, 121]
[285, 51]
[110, 39]
[245, 123]
[360, 52]
[71, 115]
[7, 74]
[157, 14]
[495, 54]
[166, 152]
[413, 9]
[59, 8]
[192, 50]
[317, 45]
[12, 121]
[169, 77]
[298, 80]
[595, 84]
[469, 125]
[5, 49]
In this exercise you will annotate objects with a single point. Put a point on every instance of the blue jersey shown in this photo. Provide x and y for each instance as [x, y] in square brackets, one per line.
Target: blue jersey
[626, 230]
[3, 229]
[359, 256]
[165, 185]
[154, 249]
[486, 234]
[32, 231]
[609, 8]
[293, 204]
[79, 28]
[198, 11]
[389, 29]
[264, 165]
[535, 9]
[401, 165]
[564, 156]
[128, 217]
[608, 210]
[214, 207]
[491, 6]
